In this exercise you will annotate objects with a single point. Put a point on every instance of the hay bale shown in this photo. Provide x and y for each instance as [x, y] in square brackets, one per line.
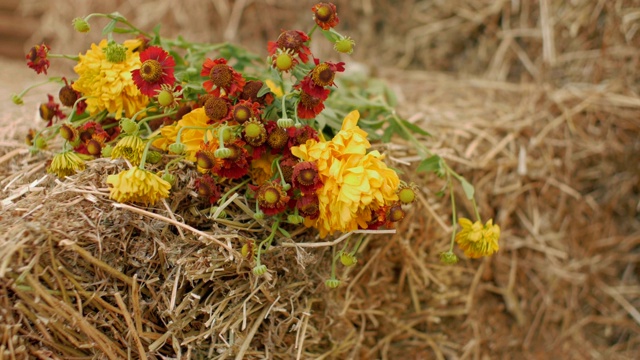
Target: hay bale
[553, 158]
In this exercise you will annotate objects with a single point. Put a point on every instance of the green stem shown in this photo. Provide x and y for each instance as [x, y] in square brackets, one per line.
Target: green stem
[146, 150]
[118, 18]
[268, 240]
[174, 161]
[311, 32]
[232, 190]
[187, 128]
[475, 207]
[453, 212]
[277, 162]
[63, 56]
[357, 247]
[50, 80]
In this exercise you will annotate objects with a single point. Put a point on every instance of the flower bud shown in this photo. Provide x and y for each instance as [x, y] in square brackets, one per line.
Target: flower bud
[223, 153]
[129, 126]
[259, 270]
[448, 258]
[177, 148]
[81, 25]
[295, 219]
[285, 123]
[168, 177]
[165, 98]
[17, 99]
[348, 259]
[344, 45]
[332, 283]
[153, 157]
[106, 151]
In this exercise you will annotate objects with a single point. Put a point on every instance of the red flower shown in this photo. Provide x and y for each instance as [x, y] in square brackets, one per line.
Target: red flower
[235, 166]
[207, 188]
[325, 15]
[244, 110]
[308, 206]
[91, 133]
[51, 110]
[324, 74]
[37, 58]
[312, 99]
[272, 199]
[68, 97]
[302, 134]
[156, 70]
[306, 178]
[223, 79]
[293, 40]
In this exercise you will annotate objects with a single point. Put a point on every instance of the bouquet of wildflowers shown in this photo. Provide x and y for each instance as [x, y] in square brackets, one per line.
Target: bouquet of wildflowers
[223, 123]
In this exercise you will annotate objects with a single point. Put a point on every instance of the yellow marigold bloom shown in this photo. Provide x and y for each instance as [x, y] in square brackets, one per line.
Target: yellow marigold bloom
[477, 240]
[129, 147]
[354, 182]
[66, 164]
[137, 185]
[191, 138]
[110, 85]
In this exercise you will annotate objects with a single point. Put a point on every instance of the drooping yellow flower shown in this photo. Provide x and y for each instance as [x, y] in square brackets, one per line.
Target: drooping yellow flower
[275, 89]
[137, 185]
[129, 147]
[66, 163]
[355, 182]
[191, 138]
[261, 170]
[477, 240]
[109, 86]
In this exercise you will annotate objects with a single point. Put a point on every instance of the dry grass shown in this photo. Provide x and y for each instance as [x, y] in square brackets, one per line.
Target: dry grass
[554, 159]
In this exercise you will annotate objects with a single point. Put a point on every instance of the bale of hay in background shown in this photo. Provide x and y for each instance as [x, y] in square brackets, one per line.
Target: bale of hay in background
[554, 158]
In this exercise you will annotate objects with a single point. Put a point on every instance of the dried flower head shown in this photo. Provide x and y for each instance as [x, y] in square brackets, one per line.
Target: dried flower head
[37, 58]
[272, 199]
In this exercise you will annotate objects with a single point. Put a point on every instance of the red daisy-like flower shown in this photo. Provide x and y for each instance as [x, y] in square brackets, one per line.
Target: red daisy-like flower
[37, 58]
[251, 90]
[235, 166]
[91, 134]
[272, 199]
[156, 70]
[244, 110]
[308, 206]
[312, 99]
[223, 79]
[302, 134]
[325, 15]
[324, 73]
[207, 188]
[50, 110]
[306, 178]
[292, 40]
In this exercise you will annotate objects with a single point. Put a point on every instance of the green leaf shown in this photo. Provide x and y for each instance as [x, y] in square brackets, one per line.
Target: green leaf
[263, 90]
[331, 35]
[388, 132]
[284, 232]
[430, 164]
[110, 26]
[469, 190]
[414, 128]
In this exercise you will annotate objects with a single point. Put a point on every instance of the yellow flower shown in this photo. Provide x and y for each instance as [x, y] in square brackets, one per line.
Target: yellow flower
[275, 89]
[191, 138]
[354, 182]
[66, 164]
[137, 185]
[129, 147]
[477, 240]
[109, 86]
[261, 170]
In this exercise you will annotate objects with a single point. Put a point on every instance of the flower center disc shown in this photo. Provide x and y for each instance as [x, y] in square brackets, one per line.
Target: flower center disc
[151, 71]
[323, 75]
[221, 76]
[271, 196]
